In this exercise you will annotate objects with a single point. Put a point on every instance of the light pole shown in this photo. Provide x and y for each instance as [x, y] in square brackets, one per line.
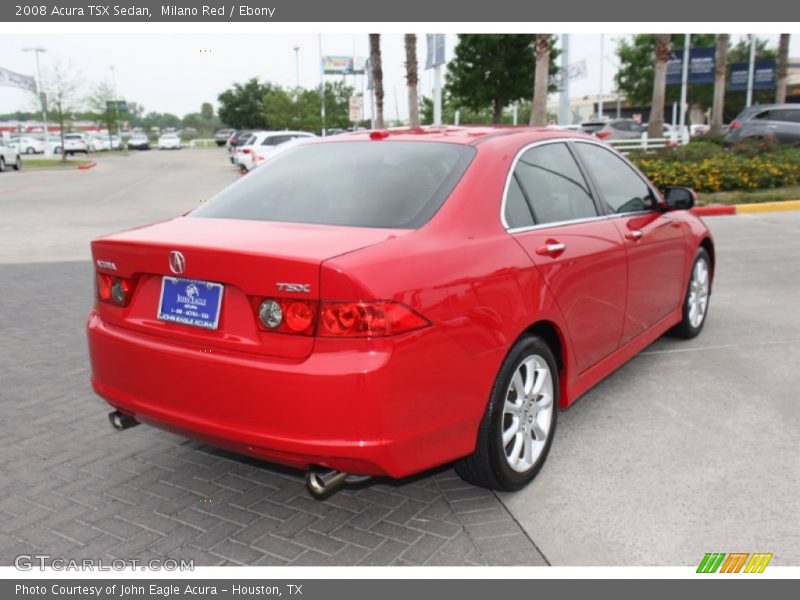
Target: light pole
[116, 106]
[38, 50]
[297, 67]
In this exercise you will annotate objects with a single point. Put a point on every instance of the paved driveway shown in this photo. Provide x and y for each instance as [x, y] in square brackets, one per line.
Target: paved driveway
[691, 447]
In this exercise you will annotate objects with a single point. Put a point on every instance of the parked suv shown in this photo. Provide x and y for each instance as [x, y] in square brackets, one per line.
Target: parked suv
[778, 121]
[75, 143]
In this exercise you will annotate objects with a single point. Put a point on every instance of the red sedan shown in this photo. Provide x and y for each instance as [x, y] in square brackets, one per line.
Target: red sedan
[385, 302]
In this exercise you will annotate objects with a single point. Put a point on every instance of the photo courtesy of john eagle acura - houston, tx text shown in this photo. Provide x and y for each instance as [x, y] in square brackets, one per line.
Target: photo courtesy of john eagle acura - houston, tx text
[383, 302]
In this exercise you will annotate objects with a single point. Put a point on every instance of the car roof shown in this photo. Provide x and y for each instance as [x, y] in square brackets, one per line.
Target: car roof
[468, 135]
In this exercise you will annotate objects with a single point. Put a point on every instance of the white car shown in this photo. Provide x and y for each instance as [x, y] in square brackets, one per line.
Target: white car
[98, 143]
[169, 141]
[75, 143]
[28, 145]
[262, 144]
[9, 156]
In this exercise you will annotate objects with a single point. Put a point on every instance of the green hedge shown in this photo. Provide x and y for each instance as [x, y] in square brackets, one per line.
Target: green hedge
[707, 167]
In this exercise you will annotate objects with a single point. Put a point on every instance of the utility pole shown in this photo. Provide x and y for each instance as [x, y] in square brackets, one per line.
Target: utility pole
[322, 84]
[602, 60]
[297, 67]
[563, 99]
[751, 70]
[116, 105]
[42, 98]
[687, 41]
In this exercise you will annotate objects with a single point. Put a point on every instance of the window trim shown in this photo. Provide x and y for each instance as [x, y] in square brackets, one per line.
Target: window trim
[593, 194]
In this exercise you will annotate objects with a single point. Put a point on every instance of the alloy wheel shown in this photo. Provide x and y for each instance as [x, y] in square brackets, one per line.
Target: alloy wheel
[527, 413]
[697, 301]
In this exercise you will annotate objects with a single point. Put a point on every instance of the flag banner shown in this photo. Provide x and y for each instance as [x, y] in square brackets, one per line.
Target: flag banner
[701, 66]
[11, 79]
[763, 77]
[435, 53]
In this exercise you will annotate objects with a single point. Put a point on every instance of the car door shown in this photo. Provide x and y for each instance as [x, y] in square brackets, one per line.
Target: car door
[784, 124]
[655, 241]
[550, 211]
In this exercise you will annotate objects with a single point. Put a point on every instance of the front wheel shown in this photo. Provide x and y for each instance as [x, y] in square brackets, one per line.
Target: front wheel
[2, 164]
[517, 429]
[18, 163]
[698, 293]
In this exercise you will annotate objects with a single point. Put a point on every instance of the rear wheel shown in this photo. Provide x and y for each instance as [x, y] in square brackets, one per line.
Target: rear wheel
[18, 163]
[698, 293]
[2, 164]
[518, 426]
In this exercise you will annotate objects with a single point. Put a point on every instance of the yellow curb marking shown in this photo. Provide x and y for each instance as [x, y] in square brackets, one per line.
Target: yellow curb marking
[768, 207]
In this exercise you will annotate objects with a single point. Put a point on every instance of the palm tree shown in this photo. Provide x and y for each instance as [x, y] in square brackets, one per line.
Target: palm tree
[783, 62]
[720, 72]
[412, 79]
[662, 53]
[377, 76]
[541, 51]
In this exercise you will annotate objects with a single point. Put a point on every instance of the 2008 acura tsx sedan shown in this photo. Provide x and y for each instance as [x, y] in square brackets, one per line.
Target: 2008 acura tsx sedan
[384, 302]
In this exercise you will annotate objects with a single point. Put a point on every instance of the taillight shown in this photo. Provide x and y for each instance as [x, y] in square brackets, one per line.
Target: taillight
[602, 134]
[246, 151]
[735, 124]
[285, 315]
[367, 319]
[114, 290]
[258, 157]
[335, 319]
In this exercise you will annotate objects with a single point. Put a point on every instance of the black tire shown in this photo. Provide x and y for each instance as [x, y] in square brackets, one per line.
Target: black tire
[2, 164]
[685, 329]
[18, 163]
[488, 466]
[30, 151]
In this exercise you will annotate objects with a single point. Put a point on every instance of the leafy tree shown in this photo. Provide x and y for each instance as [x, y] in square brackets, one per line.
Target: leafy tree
[300, 109]
[97, 104]
[61, 84]
[242, 106]
[492, 71]
[635, 75]
[662, 54]
[207, 111]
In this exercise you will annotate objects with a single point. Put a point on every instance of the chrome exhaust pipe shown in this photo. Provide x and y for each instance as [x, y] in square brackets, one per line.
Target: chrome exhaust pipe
[322, 484]
[120, 421]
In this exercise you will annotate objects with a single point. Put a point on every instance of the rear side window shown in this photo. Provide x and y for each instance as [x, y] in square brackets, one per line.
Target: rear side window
[553, 185]
[517, 212]
[623, 190]
[361, 184]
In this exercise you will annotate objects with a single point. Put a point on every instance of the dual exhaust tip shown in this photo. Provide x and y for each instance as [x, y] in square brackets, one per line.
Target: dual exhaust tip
[321, 484]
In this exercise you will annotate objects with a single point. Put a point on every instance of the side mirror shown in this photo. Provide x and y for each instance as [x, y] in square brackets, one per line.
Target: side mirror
[679, 198]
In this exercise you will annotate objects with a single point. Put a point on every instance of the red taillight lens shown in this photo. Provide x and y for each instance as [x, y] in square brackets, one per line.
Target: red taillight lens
[367, 319]
[246, 151]
[258, 157]
[114, 290]
[282, 315]
[602, 134]
[734, 125]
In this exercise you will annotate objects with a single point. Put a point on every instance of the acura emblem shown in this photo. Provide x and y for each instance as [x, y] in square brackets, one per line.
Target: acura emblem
[177, 263]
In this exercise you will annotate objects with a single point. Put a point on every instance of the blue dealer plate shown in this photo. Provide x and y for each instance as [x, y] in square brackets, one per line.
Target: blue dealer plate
[190, 302]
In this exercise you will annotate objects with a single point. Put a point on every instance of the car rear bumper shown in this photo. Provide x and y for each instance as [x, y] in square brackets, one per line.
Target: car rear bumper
[385, 409]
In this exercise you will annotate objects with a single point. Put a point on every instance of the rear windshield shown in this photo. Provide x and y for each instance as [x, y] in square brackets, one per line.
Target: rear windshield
[593, 127]
[361, 184]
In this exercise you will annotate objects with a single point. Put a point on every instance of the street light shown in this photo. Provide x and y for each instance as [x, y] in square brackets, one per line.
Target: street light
[38, 50]
[297, 67]
[116, 106]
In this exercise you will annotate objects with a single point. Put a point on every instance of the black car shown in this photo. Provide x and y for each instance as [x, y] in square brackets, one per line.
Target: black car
[221, 137]
[780, 122]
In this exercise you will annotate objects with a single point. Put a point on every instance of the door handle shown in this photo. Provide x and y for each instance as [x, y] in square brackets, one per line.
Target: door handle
[634, 235]
[551, 249]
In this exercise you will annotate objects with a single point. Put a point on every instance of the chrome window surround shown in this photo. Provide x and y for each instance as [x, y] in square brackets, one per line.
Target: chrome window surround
[513, 230]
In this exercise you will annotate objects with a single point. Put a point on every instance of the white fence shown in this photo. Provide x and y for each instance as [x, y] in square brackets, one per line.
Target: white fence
[645, 143]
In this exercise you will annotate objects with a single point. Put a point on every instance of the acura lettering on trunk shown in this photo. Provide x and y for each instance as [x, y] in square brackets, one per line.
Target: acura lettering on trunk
[381, 303]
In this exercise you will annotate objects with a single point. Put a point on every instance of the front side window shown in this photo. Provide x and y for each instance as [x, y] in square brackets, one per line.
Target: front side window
[623, 190]
[388, 184]
[553, 184]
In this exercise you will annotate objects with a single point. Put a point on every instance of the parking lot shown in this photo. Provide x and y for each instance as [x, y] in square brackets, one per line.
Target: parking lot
[692, 447]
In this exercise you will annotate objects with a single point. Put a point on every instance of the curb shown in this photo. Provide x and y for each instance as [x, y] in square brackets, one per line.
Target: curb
[84, 166]
[714, 210]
